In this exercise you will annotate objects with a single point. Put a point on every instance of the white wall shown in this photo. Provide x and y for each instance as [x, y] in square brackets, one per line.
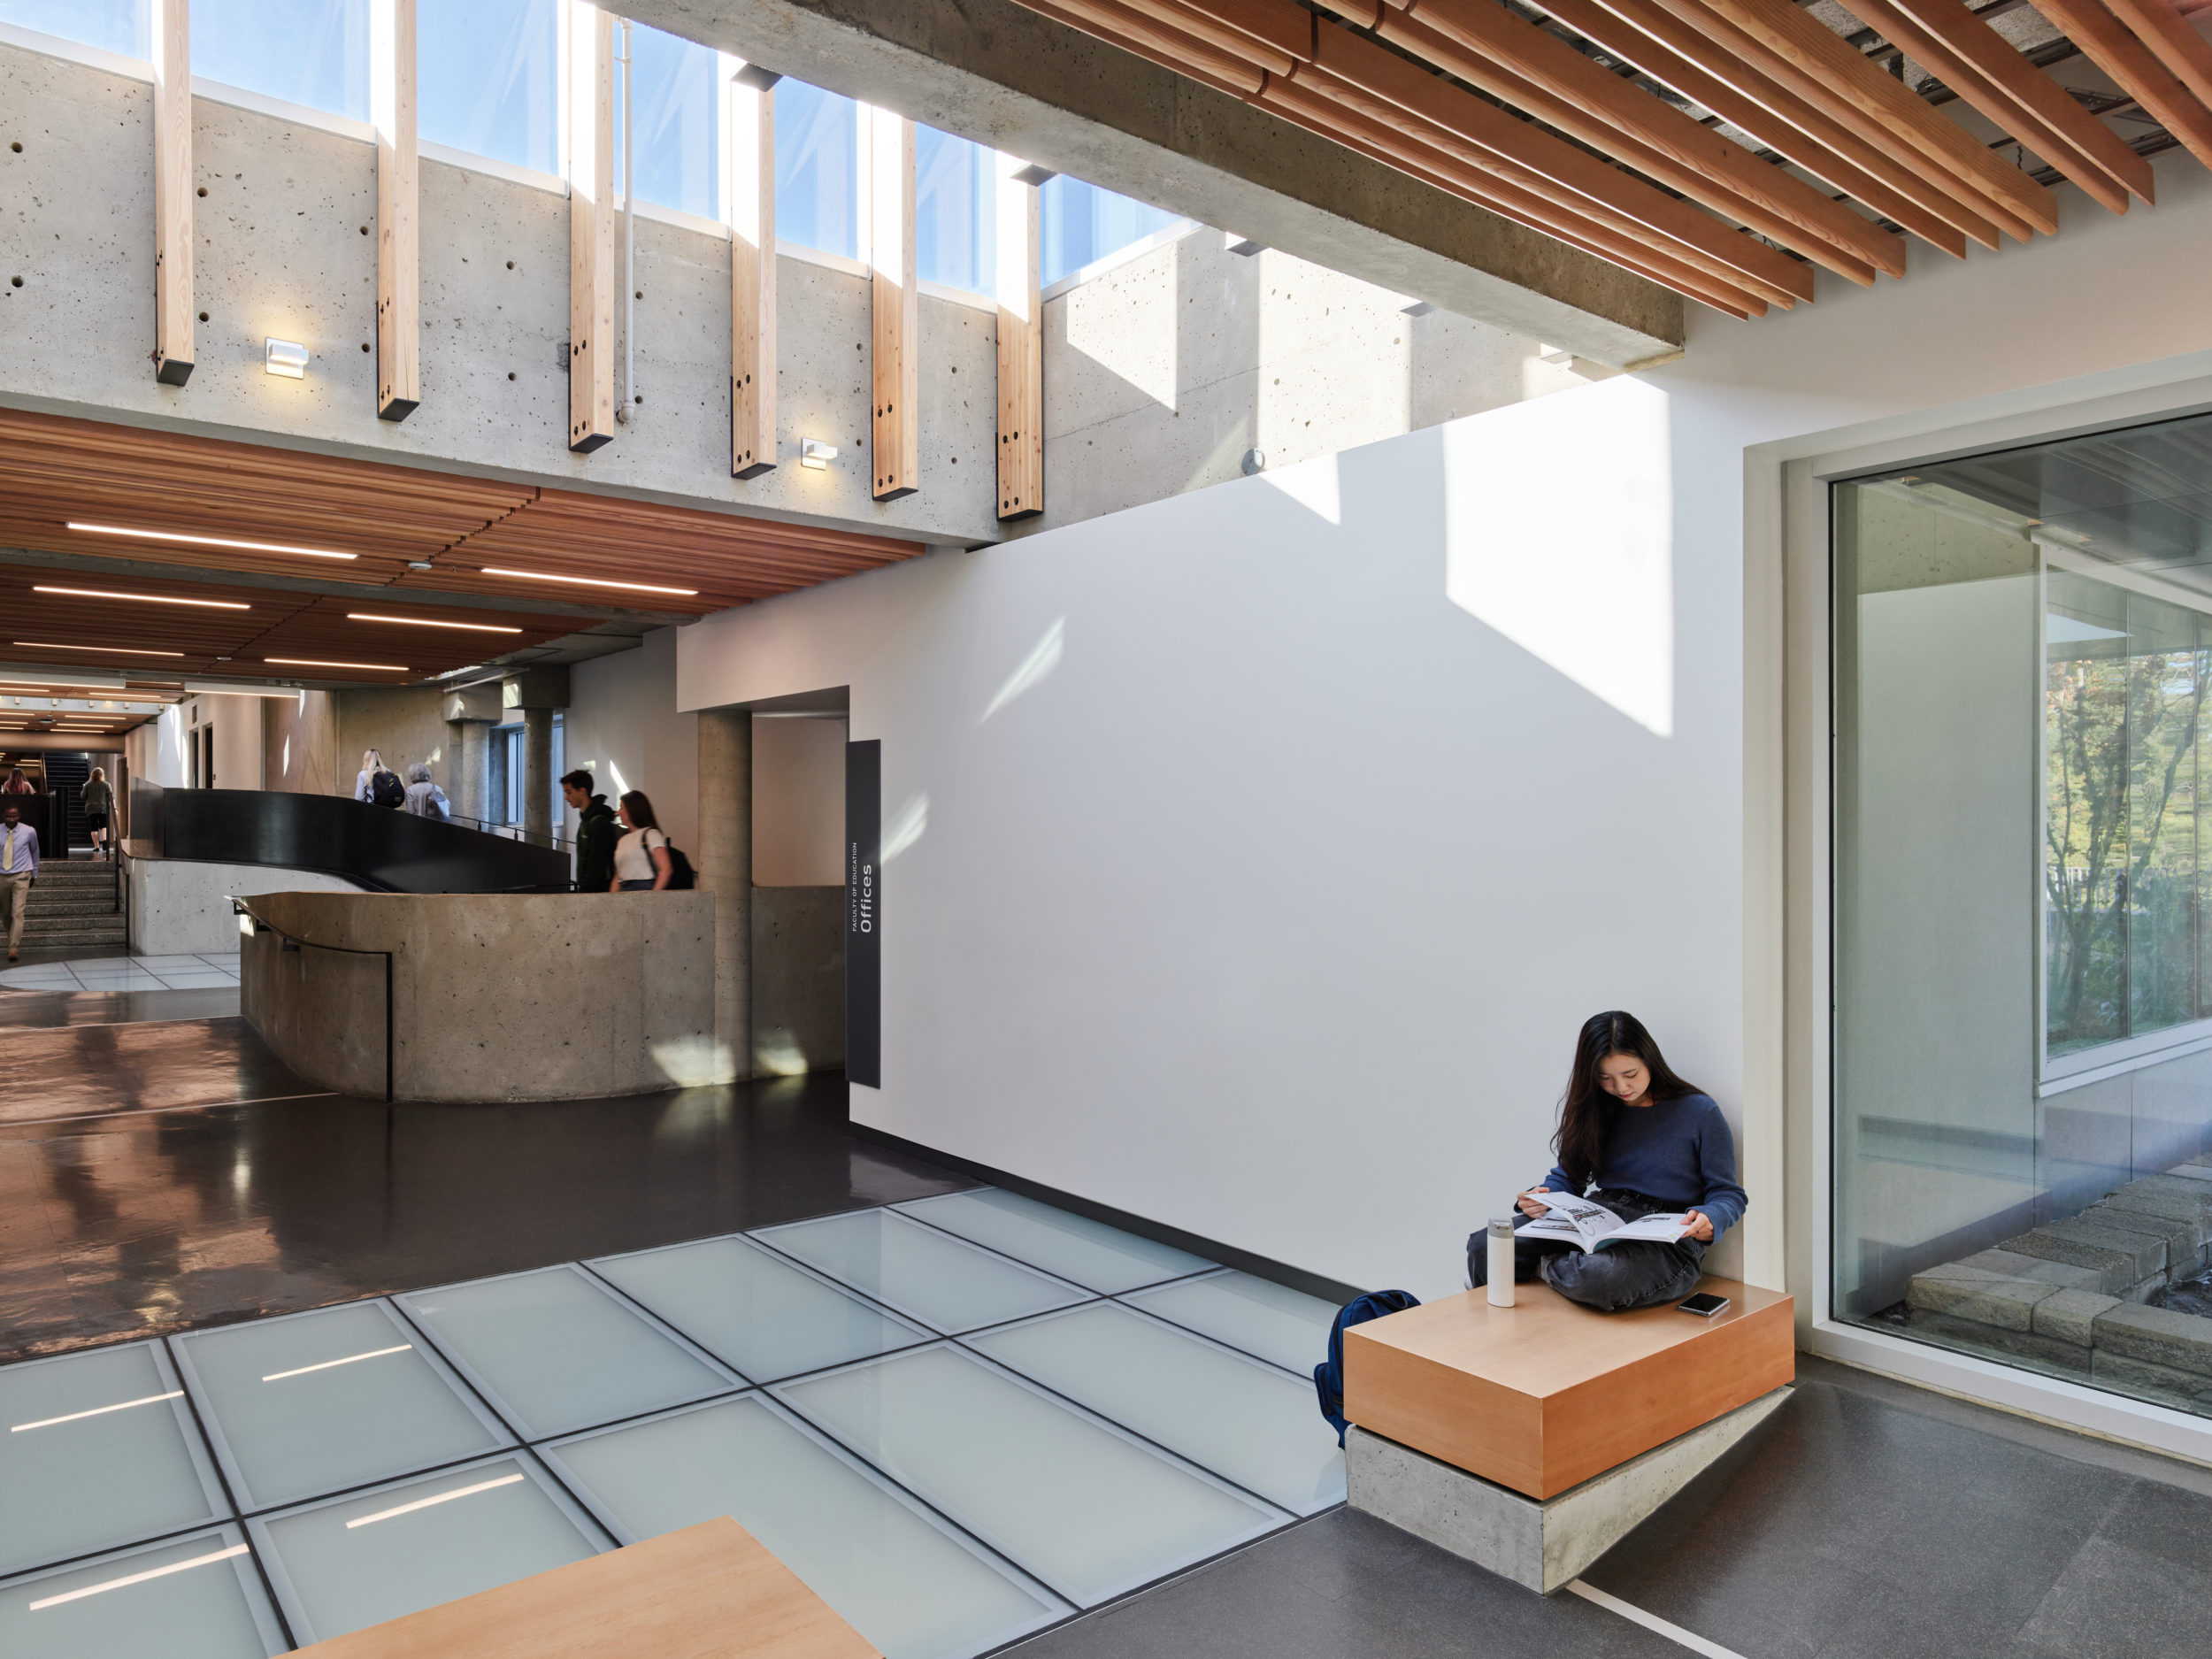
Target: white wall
[622, 726]
[1269, 843]
[798, 801]
[237, 723]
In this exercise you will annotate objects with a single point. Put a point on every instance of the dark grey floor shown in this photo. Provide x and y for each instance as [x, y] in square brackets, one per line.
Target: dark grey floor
[1865, 1520]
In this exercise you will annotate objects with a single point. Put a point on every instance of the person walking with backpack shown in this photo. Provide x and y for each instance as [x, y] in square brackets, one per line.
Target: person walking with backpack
[378, 784]
[641, 860]
[99, 807]
[597, 831]
[424, 798]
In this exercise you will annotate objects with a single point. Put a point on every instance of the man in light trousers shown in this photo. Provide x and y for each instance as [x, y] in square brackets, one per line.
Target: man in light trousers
[18, 868]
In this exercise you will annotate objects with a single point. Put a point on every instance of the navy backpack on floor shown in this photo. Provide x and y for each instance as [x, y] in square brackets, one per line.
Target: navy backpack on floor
[1328, 1377]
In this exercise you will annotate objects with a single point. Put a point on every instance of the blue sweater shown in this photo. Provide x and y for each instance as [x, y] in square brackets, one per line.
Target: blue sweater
[1677, 1151]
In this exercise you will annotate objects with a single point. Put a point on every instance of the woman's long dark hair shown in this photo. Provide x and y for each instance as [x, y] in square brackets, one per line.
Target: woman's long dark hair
[1586, 1113]
[641, 809]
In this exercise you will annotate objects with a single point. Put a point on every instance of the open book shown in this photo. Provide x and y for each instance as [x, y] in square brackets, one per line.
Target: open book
[1587, 1227]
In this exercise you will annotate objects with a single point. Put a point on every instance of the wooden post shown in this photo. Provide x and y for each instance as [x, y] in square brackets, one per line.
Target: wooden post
[173, 191]
[590, 228]
[1021, 356]
[398, 223]
[895, 360]
[752, 272]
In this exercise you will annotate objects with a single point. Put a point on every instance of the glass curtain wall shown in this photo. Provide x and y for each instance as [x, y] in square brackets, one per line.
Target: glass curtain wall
[1080, 223]
[818, 169]
[311, 52]
[488, 79]
[125, 27]
[2022, 1039]
[956, 205]
[679, 160]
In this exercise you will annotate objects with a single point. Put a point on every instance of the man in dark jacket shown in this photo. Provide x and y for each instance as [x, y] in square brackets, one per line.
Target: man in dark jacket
[597, 832]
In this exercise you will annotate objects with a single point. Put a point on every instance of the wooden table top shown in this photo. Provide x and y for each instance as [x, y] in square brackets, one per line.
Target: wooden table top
[709, 1592]
[1545, 1344]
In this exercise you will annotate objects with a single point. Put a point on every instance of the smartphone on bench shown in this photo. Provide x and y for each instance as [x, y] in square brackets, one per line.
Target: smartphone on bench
[1704, 1304]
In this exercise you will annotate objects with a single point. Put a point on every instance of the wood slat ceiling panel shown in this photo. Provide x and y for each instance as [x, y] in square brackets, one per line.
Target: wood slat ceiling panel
[326, 629]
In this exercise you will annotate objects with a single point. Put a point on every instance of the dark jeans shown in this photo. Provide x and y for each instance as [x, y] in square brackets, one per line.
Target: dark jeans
[1620, 1276]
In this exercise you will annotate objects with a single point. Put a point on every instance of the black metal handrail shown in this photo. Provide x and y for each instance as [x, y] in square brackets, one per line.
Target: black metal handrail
[239, 907]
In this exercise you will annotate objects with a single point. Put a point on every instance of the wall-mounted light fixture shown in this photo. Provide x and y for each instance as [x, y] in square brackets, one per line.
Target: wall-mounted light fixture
[814, 453]
[286, 358]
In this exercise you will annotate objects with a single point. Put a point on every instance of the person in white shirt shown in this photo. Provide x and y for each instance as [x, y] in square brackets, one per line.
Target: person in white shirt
[641, 857]
[372, 762]
[18, 868]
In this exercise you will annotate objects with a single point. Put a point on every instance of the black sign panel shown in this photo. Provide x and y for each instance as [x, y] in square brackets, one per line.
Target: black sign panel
[863, 913]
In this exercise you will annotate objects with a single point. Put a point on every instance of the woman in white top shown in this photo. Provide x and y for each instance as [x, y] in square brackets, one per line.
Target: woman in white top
[641, 857]
[372, 762]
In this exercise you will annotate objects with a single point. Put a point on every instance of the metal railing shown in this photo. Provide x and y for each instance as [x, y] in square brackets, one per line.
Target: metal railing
[293, 942]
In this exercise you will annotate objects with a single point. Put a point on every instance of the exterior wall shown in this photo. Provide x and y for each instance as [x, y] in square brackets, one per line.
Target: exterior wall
[1496, 672]
[798, 802]
[622, 726]
[178, 908]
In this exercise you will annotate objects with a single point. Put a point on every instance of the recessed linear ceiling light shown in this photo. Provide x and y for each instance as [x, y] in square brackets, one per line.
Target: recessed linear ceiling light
[210, 541]
[148, 599]
[425, 622]
[113, 650]
[312, 662]
[592, 581]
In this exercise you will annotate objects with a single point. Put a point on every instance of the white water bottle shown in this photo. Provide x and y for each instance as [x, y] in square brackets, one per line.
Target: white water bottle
[1502, 1263]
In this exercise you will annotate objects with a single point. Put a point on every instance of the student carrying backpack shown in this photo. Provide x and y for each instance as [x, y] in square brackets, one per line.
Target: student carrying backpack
[386, 789]
[1328, 1377]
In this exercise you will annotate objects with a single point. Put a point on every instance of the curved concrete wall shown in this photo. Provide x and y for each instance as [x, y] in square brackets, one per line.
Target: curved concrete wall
[494, 996]
[180, 907]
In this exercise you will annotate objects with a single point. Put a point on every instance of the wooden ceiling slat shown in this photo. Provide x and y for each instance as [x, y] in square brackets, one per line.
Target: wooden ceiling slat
[1705, 70]
[2136, 70]
[1188, 53]
[1304, 101]
[1263, 37]
[1705, 241]
[2172, 39]
[1534, 70]
[1822, 67]
[1988, 71]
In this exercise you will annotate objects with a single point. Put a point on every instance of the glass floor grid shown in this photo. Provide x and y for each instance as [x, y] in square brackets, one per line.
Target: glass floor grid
[937, 1420]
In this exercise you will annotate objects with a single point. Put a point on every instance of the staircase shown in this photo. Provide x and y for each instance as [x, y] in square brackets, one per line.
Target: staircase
[75, 905]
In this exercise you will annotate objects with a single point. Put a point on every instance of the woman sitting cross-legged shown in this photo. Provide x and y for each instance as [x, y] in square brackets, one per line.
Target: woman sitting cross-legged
[1652, 1144]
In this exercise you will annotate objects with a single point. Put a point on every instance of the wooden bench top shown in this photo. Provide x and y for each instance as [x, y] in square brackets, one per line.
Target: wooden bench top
[1544, 1395]
[709, 1592]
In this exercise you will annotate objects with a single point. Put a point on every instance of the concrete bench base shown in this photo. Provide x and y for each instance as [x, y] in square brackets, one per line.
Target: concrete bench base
[1537, 1544]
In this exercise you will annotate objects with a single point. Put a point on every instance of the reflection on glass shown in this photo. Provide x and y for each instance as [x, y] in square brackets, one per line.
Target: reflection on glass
[673, 82]
[313, 52]
[818, 169]
[488, 78]
[955, 208]
[115, 26]
[1081, 223]
[2023, 1038]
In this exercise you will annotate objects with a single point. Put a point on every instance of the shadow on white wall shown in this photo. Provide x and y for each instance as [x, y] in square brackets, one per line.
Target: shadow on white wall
[1559, 534]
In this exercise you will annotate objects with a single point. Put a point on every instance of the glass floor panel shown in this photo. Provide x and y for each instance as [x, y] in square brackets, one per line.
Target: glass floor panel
[196, 1597]
[1234, 1415]
[372, 1556]
[901, 1577]
[97, 1450]
[942, 1281]
[1091, 1254]
[555, 1352]
[754, 1310]
[1090, 1511]
[1257, 1315]
[315, 1402]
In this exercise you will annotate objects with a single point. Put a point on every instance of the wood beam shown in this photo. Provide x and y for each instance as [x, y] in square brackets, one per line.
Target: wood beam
[1702, 69]
[398, 210]
[590, 228]
[2172, 40]
[1697, 236]
[1821, 67]
[1021, 356]
[2108, 43]
[1534, 70]
[1988, 71]
[173, 191]
[894, 303]
[752, 278]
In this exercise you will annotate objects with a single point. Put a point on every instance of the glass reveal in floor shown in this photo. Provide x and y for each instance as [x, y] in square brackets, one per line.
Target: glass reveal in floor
[955, 1426]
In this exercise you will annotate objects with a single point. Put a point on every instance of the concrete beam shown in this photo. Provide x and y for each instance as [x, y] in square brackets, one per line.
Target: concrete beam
[1009, 78]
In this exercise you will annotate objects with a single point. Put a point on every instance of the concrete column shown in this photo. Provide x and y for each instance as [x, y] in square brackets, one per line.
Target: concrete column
[725, 868]
[466, 771]
[537, 773]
